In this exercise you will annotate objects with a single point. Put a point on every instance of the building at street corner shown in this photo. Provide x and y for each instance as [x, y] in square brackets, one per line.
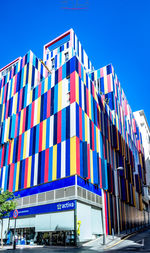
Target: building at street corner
[69, 146]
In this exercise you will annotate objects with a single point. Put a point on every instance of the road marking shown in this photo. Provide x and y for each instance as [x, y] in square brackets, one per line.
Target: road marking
[121, 240]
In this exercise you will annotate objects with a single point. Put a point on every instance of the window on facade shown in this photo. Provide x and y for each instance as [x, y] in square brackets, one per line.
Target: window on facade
[66, 56]
[53, 63]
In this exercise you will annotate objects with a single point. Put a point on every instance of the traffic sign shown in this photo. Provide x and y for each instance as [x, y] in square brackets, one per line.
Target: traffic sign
[15, 213]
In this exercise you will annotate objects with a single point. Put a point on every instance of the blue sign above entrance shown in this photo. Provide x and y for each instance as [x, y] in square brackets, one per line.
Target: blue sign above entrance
[49, 208]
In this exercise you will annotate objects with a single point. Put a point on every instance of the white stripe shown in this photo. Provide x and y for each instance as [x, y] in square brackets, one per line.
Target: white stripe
[27, 145]
[63, 160]
[51, 130]
[35, 169]
[88, 130]
[52, 79]
[3, 179]
[72, 120]
[35, 111]
[82, 90]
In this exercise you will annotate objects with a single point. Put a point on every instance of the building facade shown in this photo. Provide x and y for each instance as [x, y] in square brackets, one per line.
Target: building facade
[65, 131]
[145, 131]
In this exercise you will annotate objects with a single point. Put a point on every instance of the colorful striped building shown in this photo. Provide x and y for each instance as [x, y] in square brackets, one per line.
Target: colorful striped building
[65, 129]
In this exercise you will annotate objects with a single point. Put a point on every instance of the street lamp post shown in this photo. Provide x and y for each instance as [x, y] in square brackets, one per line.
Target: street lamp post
[117, 197]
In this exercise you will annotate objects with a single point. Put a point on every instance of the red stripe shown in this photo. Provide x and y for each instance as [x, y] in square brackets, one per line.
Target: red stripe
[40, 137]
[100, 172]
[11, 177]
[19, 147]
[48, 103]
[9, 151]
[59, 127]
[2, 156]
[15, 84]
[78, 155]
[23, 61]
[6, 115]
[80, 123]
[72, 88]
[24, 120]
[20, 100]
[46, 165]
[32, 115]
[10, 64]
[60, 74]
[26, 173]
[4, 93]
[106, 225]
[109, 83]
[93, 89]
[88, 157]
[79, 69]
[87, 101]
[57, 39]
[39, 90]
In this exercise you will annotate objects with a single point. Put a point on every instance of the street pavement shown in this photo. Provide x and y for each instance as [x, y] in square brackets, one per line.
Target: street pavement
[137, 242]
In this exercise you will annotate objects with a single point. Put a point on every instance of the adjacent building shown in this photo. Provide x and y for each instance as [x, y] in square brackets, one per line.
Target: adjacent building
[145, 131]
[69, 146]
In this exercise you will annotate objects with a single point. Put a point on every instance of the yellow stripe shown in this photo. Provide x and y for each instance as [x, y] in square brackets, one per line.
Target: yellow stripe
[44, 135]
[121, 240]
[8, 124]
[46, 85]
[54, 162]
[3, 112]
[31, 93]
[91, 163]
[77, 87]
[18, 66]
[59, 96]
[17, 176]
[15, 105]
[25, 143]
[97, 139]
[73, 155]
[29, 171]
[39, 66]
[38, 110]
[12, 149]
[105, 84]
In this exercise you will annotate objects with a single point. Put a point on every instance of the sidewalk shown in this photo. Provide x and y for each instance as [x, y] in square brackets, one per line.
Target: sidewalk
[10, 247]
[97, 244]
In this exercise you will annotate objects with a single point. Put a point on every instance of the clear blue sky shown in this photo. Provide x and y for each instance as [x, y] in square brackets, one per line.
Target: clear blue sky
[111, 31]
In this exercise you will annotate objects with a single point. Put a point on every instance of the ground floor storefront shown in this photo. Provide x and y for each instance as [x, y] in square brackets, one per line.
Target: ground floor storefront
[63, 212]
